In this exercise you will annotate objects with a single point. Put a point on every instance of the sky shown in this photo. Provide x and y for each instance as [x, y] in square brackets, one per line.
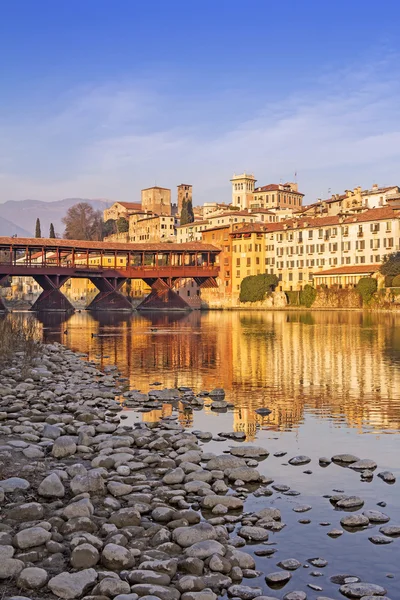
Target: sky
[101, 98]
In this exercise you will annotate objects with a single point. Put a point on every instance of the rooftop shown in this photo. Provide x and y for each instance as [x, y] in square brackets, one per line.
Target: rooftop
[350, 270]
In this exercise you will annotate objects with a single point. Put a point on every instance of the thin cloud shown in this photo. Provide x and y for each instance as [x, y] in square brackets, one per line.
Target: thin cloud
[113, 140]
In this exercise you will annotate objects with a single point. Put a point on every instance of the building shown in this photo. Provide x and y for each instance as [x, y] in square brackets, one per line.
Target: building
[185, 192]
[121, 209]
[220, 237]
[281, 195]
[152, 228]
[242, 190]
[157, 200]
[345, 276]
[246, 195]
[191, 232]
[298, 250]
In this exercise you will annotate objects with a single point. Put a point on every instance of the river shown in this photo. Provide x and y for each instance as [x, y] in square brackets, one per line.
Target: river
[332, 382]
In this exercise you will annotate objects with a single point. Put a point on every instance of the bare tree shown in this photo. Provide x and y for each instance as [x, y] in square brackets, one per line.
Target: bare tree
[82, 222]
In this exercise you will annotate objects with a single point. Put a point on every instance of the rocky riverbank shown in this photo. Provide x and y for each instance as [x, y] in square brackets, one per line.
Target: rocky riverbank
[93, 508]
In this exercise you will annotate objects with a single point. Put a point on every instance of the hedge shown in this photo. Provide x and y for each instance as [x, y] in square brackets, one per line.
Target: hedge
[307, 296]
[254, 287]
[396, 281]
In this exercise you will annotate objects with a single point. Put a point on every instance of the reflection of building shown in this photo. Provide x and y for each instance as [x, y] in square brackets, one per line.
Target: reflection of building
[330, 366]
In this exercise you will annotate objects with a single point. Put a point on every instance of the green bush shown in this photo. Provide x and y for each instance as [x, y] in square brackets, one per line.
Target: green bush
[254, 287]
[307, 296]
[396, 281]
[367, 287]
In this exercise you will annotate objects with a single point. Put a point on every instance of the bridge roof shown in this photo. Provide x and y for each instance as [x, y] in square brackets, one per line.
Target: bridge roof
[79, 245]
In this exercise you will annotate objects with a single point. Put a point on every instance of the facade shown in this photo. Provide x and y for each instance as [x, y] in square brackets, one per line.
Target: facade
[152, 228]
[157, 200]
[242, 190]
[185, 192]
[298, 250]
[121, 209]
[344, 276]
[221, 238]
[191, 232]
[282, 195]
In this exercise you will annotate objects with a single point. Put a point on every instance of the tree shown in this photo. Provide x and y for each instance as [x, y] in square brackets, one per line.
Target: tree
[189, 208]
[391, 265]
[367, 287]
[82, 222]
[122, 225]
[38, 232]
[109, 227]
[52, 233]
[187, 215]
[254, 287]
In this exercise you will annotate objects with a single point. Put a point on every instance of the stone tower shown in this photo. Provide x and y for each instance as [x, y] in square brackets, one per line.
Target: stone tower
[157, 200]
[185, 192]
[242, 190]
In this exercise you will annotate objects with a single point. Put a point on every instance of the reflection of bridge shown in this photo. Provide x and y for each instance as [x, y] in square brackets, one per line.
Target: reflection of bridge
[52, 262]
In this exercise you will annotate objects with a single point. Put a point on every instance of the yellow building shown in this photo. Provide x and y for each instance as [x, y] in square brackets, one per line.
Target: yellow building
[248, 254]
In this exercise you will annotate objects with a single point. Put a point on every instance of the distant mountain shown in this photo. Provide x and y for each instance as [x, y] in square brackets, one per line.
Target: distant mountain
[20, 216]
[8, 228]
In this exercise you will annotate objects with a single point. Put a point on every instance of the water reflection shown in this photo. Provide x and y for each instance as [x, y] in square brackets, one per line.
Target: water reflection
[338, 366]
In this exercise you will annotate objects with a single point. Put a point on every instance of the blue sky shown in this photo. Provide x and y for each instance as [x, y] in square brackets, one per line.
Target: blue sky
[102, 98]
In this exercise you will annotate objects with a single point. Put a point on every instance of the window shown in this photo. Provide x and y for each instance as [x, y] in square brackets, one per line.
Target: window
[320, 233]
[237, 273]
[248, 262]
[238, 262]
[310, 235]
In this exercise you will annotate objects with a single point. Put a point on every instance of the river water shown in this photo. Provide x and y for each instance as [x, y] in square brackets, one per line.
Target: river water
[332, 382]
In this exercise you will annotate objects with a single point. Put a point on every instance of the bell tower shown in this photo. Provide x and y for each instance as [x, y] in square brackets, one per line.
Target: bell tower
[243, 190]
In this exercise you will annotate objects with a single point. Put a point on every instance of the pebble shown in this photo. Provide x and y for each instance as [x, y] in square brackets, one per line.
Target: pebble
[278, 578]
[387, 476]
[354, 521]
[289, 564]
[360, 590]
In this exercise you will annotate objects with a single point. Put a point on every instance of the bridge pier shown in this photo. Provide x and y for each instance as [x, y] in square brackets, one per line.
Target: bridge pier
[51, 299]
[162, 297]
[3, 307]
[109, 296]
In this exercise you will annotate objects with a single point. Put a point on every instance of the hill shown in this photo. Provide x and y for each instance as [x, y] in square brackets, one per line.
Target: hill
[19, 217]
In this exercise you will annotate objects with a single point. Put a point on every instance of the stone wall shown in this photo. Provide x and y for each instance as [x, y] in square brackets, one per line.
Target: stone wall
[337, 298]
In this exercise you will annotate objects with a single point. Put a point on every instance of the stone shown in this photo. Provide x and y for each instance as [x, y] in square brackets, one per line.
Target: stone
[342, 579]
[63, 446]
[31, 511]
[205, 549]
[126, 517]
[14, 484]
[187, 536]
[350, 502]
[263, 411]
[269, 514]
[92, 481]
[80, 508]
[386, 476]
[155, 591]
[380, 539]
[225, 461]
[295, 596]
[116, 557]
[118, 489]
[256, 452]
[244, 592]
[302, 509]
[320, 563]
[345, 458]
[32, 578]
[175, 476]
[72, 585]
[354, 521]
[299, 460]
[231, 502]
[334, 533]
[289, 564]
[51, 487]
[253, 534]
[279, 578]
[205, 594]
[245, 474]
[390, 530]
[10, 568]
[31, 537]
[359, 590]
[111, 587]
[148, 576]
[84, 556]
[364, 464]
[375, 516]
